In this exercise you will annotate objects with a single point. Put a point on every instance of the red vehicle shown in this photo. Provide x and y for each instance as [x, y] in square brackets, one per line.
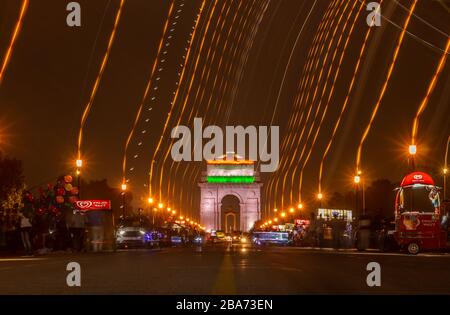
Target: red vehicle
[419, 221]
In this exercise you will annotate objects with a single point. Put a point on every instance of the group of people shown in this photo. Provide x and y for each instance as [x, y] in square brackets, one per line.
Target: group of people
[15, 231]
[70, 231]
[316, 232]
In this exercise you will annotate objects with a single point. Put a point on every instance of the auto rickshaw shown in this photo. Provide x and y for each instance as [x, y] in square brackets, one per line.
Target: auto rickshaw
[419, 223]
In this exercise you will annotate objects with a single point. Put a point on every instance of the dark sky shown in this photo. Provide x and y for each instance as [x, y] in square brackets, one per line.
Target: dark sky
[53, 67]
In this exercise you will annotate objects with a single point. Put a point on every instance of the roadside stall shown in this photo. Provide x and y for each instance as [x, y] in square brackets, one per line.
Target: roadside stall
[100, 224]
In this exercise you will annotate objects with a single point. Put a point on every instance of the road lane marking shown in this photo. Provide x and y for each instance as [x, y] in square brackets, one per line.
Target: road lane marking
[224, 283]
[20, 259]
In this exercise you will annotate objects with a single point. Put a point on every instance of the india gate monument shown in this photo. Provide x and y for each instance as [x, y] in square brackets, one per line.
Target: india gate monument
[230, 194]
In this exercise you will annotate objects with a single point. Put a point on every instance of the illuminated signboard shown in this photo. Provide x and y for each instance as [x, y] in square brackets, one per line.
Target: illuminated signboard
[329, 214]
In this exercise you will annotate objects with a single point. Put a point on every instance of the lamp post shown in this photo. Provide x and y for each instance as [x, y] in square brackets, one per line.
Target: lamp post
[79, 164]
[412, 153]
[445, 171]
[124, 189]
[357, 180]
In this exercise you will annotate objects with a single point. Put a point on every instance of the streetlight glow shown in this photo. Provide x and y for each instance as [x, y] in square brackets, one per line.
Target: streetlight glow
[160, 205]
[150, 200]
[320, 196]
[412, 149]
[445, 170]
[300, 206]
[79, 163]
[283, 214]
[124, 187]
[357, 179]
[291, 210]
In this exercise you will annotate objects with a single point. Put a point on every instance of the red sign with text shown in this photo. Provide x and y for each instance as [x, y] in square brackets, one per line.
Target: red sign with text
[89, 205]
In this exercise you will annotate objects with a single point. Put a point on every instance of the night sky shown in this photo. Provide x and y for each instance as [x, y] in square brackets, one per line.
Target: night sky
[52, 69]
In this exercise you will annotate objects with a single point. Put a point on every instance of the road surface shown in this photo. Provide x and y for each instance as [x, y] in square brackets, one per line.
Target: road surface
[227, 270]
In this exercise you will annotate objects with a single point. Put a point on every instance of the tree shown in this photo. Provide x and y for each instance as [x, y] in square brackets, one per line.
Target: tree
[11, 183]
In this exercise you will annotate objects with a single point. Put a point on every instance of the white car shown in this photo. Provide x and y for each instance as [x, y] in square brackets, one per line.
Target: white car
[130, 237]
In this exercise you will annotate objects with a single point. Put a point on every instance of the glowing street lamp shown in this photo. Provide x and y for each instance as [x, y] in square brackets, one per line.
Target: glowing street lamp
[270, 221]
[79, 163]
[412, 149]
[275, 220]
[160, 205]
[174, 212]
[291, 210]
[357, 179]
[124, 187]
[275, 210]
[283, 214]
[320, 196]
[150, 200]
[300, 206]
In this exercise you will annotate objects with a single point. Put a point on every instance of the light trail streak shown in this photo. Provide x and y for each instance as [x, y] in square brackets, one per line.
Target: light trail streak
[319, 106]
[147, 89]
[222, 20]
[231, 64]
[237, 39]
[98, 79]
[175, 98]
[226, 74]
[243, 60]
[186, 99]
[328, 102]
[306, 70]
[344, 105]
[208, 60]
[283, 79]
[431, 86]
[293, 136]
[384, 88]
[15, 35]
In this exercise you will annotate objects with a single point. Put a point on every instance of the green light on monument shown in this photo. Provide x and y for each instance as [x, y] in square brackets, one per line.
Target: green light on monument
[231, 179]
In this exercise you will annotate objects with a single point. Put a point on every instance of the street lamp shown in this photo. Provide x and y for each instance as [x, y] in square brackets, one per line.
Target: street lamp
[445, 171]
[160, 205]
[300, 206]
[357, 180]
[79, 164]
[124, 189]
[412, 153]
[153, 216]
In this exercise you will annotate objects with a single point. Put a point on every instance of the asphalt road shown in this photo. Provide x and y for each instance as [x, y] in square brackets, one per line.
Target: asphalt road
[227, 270]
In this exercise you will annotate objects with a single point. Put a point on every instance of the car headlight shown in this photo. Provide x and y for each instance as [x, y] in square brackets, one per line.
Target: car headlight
[121, 232]
[142, 232]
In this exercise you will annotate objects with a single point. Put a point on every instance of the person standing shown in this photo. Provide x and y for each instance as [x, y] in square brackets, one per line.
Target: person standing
[95, 221]
[25, 230]
[77, 229]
